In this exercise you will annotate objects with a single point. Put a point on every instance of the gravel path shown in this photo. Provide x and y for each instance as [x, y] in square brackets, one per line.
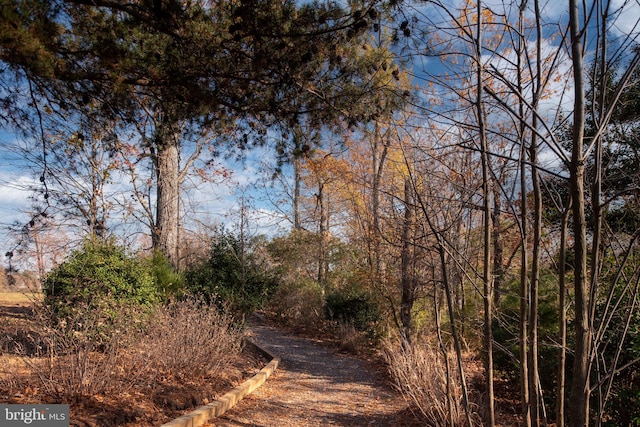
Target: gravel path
[313, 386]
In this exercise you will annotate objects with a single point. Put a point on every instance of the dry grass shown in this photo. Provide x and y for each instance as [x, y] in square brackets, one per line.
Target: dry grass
[13, 298]
[420, 373]
[349, 338]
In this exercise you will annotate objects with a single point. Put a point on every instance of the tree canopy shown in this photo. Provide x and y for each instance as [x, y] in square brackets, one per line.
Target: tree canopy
[190, 66]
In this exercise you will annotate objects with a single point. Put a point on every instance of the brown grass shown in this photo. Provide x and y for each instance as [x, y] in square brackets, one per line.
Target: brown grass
[349, 338]
[420, 373]
[14, 298]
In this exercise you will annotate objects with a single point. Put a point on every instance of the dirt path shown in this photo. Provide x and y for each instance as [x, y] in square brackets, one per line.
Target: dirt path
[314, 386]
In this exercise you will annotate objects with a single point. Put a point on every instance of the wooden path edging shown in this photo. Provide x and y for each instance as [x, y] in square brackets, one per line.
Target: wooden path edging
[201, 415]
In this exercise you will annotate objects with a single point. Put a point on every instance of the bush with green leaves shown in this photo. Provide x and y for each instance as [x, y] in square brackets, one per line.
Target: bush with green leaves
[168, 281]
[235, 272]
[355, 308]
[100, 279]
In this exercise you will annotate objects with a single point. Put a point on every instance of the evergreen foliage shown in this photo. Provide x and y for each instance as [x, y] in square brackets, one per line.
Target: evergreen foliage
[354, 308]
[98, 280]
[233, 69]
[233, 274]
[167, 280]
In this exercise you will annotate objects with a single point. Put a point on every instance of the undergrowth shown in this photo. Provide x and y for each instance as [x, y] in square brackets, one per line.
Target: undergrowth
[185, 339]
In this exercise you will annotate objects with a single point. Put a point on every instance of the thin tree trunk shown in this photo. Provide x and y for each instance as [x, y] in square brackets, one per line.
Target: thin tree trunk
[322, 231]
[296, 193]
[562, 321]
[39, 258]
[487, 222]
[524, 266]
[445, 355]
[533, 377]
[442, 253]
[407, 276]
[454, 332]
[243, 239]
[580, 388]
[297, 179]
[498, 250]
[596, 189]
[377, 167]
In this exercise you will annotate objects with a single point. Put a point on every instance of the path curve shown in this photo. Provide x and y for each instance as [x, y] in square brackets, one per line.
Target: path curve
[314, 386]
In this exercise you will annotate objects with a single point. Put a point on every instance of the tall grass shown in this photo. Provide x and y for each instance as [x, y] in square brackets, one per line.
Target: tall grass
[420, 373]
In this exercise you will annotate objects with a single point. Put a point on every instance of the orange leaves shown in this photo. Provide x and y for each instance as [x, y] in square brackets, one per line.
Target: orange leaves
[212, 172]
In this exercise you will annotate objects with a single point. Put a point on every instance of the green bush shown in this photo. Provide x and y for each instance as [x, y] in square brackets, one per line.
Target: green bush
[623, 405]
[354, 308]
[235, 273]
[168, 282]
[506, 329]
[98, 280]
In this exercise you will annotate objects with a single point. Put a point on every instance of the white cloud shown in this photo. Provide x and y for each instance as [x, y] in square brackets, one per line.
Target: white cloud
[14, 196]
[627, 18]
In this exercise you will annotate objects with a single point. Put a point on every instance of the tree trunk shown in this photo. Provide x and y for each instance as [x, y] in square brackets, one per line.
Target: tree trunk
[167, 162]
[454, 331]
[297, 179]
[322, 231]
[579, 397]
[498, 250]
[537, 402]
[562, 321]
[442, 255]
[377, 167]
[443, 349]
[487, 273]
[525, 392]
[407, 276]
[534, 384]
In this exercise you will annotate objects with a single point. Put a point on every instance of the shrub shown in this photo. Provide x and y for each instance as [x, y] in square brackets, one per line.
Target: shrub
[186, 339]
[353, 308]
[234, 273]
[298, 303]
[168, 282]
[349, 338]
[189, 338]
[68, 365]
[97, 281]
[505, 333]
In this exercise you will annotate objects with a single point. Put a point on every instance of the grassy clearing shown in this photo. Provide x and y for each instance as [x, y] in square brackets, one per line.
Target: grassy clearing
[19, 297]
